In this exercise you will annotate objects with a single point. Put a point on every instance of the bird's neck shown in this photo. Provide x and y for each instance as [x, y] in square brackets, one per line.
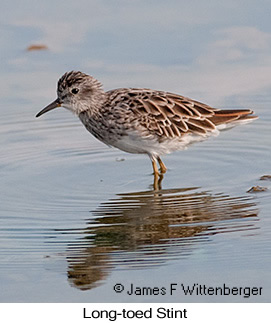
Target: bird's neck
[93, 105]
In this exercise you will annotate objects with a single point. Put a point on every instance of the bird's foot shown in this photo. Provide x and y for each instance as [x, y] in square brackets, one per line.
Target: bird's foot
[163, 168]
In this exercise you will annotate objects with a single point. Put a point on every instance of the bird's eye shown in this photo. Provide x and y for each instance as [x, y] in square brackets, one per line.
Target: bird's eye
[75, 90]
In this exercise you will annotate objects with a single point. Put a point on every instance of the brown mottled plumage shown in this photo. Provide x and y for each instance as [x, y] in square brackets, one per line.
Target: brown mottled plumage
[141, 120]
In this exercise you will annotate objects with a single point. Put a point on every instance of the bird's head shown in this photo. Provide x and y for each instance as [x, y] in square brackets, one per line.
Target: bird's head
[76, 92]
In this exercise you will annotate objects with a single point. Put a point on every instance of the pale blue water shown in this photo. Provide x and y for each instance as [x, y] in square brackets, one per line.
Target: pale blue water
[77, 217]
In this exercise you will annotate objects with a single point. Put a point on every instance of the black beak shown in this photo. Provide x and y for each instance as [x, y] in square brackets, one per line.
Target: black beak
[51, 106]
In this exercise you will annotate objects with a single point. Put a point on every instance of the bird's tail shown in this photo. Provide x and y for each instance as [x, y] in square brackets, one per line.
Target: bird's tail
[224, 119]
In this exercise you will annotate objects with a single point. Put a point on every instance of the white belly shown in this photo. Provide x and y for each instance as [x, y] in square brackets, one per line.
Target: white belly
[135, 144]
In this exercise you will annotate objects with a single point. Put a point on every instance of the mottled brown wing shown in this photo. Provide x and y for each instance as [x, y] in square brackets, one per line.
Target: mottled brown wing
[170, 115]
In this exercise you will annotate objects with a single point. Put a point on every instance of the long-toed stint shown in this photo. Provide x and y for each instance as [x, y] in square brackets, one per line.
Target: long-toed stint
[139, 120]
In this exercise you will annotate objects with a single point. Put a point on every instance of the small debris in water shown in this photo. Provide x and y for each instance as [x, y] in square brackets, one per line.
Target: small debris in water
[255, 189]
[120, 159]
[36, 47]
[266, 178]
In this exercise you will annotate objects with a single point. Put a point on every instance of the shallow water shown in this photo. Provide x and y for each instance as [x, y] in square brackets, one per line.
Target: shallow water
[77, 217]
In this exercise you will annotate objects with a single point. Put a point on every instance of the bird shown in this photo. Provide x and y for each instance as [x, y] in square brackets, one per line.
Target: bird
[142, 120]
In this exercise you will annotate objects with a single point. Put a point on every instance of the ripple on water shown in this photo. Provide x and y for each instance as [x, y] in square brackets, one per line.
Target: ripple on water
[29, 141]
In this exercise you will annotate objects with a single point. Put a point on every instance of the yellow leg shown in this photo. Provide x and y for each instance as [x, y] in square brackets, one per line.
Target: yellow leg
[163, 168]
[158, 177]
[155, 168]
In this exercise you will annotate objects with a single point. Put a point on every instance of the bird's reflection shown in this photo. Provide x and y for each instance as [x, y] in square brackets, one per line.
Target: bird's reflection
[142, 229]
